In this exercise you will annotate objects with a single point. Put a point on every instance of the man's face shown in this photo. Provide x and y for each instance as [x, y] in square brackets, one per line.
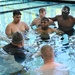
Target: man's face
[44, 24]
[42, 13]
[17, 18]
[65, 13]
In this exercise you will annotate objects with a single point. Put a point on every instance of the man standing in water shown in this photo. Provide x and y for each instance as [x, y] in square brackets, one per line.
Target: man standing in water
[37, 21]
[50, 67]
[65, 21]
[16, 24]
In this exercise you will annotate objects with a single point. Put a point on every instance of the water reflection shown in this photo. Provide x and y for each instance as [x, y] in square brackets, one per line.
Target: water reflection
[33, 43]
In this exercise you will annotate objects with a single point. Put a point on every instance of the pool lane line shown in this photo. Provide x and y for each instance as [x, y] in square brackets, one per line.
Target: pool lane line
[2, 12]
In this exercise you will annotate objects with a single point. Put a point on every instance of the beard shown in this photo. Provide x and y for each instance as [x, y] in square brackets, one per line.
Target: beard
[65, 16]
[44, 28]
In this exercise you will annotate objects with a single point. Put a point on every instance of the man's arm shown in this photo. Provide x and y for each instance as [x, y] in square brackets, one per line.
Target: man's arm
[26, 27]
[51, 22]
[74, 21]
[8, 31]
[54, 18]
[33, 23]
[59, 32]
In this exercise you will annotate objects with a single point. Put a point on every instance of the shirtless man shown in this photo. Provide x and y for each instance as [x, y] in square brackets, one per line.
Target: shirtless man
[16, 24]
[37, 21]
[65, 21]
[50, 67]
[44, 28]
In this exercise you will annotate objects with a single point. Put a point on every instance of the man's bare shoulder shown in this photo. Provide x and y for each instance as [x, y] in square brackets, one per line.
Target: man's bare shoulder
[58, 16]
[36, 19]
[71, 17]
[50, 66]
[10, 24]
[23, 23]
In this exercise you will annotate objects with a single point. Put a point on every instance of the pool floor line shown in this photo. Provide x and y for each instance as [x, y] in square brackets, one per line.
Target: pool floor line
[3, 1]
[14, 3]
[28, 8]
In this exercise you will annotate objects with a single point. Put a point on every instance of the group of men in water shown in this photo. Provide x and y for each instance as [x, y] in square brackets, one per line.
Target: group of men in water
[15, 29]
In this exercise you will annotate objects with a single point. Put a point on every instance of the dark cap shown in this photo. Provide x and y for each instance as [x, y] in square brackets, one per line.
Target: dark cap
[17, 38]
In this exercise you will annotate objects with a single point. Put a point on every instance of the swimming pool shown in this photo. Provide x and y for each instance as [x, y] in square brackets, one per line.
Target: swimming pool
[65, 54]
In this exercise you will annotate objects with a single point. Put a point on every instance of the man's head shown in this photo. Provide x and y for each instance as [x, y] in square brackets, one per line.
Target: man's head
[16, 16]
[44, 23]
[65, 12]
[42, 12]
[17, 38]
[47, 52]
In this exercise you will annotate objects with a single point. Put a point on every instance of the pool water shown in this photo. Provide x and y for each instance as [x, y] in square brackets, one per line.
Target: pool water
[63, 53]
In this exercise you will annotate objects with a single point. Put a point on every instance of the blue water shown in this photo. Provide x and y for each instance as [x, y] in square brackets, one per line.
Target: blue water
[64, 54]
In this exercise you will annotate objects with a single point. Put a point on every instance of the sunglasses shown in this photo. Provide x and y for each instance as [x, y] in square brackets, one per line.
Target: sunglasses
[65, 11]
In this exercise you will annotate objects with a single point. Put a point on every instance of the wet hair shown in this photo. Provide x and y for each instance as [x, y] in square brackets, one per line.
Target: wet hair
[47, 51]
[17, 38]
[66, 7]
[45, 19]
[42, 10]
[16, 12]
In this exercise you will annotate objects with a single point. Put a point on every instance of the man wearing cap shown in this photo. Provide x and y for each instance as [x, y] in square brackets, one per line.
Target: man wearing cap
[16, 47]
[12, 55]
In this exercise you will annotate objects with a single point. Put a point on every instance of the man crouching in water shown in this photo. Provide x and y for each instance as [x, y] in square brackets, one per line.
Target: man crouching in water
[16, 47]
